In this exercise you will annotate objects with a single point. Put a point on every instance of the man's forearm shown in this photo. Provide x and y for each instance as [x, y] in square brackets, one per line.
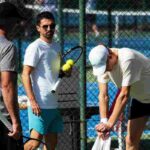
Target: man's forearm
[9, 93]
[103, 100]
[119, 107]
[28, 86]
[103, 106]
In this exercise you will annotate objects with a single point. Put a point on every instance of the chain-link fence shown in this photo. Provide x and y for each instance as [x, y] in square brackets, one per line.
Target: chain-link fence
[115, 23]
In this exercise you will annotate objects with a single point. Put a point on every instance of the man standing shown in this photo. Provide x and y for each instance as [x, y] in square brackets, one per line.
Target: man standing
[91, 18]
[40, 73]
[129, 70]
[9, 16]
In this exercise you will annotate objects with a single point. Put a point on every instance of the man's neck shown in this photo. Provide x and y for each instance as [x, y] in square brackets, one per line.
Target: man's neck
[114, 50]
[46, 40]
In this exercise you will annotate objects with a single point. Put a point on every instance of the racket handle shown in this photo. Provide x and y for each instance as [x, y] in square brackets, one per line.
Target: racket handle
[5, 122]
[56, 85]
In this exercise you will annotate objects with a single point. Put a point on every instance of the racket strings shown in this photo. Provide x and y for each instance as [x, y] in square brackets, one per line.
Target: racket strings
[73, 54]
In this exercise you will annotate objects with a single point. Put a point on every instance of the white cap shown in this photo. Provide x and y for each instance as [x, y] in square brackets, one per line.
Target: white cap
[98, 58]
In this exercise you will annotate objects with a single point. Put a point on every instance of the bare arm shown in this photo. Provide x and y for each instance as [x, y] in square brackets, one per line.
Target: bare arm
[118, 108]
[9, 92]
[27, 81]
[28, 88]
[120, 105]
[103, 100]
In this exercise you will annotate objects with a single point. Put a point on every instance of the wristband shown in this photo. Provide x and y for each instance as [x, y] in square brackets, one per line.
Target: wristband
[104, 120]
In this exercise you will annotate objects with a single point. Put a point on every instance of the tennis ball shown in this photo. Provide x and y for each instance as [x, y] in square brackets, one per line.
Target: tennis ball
[70, 62]
[66, 67]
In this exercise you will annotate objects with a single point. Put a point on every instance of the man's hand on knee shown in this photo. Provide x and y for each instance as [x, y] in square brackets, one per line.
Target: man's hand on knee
[31, 145]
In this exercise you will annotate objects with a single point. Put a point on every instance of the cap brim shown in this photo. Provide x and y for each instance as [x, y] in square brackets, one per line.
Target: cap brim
[99, 70]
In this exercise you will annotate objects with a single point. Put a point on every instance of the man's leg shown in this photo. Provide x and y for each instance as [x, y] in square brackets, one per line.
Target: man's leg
[134, 132]
[55, 127]
[33, 144]
[51, 141]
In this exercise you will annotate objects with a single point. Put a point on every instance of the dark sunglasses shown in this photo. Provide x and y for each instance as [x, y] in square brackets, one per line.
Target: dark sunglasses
[52, 26]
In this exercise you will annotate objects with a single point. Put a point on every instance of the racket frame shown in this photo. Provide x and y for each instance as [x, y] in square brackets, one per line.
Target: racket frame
[62, 74]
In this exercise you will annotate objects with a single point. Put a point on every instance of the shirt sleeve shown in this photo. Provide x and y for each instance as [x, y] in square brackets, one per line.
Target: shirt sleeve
[103, 78]
[9, 59]
[131, 72]
[32, 56]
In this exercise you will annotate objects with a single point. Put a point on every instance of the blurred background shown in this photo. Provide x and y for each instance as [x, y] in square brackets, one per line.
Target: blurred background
[116, 23]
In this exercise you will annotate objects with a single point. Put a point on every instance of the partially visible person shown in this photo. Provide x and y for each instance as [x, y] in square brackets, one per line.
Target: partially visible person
[47, 5]
[9, 17]
[91, 18]
[40, 72]
[129, 70]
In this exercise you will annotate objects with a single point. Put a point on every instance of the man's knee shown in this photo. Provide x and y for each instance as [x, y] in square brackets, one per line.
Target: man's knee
[131, 141]
[31, 145]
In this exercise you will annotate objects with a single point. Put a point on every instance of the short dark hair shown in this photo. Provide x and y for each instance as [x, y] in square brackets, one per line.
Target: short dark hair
[42, 15]
[8, 10]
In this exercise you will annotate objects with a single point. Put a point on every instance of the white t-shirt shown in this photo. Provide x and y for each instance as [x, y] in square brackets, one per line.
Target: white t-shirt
[132, 69]
[45, 58]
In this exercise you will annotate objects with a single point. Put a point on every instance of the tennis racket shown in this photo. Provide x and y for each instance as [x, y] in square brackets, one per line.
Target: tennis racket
[74, 54]
[9, 127]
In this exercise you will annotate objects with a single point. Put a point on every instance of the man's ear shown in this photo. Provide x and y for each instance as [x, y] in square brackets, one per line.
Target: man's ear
[110, 55]
[38, 28]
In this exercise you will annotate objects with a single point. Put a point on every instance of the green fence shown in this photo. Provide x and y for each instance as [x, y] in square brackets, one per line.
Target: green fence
[114, 23]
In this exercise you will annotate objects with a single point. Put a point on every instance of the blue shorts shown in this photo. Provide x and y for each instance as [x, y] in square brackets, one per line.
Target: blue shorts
[50, 121]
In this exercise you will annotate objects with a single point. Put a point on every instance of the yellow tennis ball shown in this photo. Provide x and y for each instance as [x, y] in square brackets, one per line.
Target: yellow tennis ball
[66, 67]
[70, 62]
